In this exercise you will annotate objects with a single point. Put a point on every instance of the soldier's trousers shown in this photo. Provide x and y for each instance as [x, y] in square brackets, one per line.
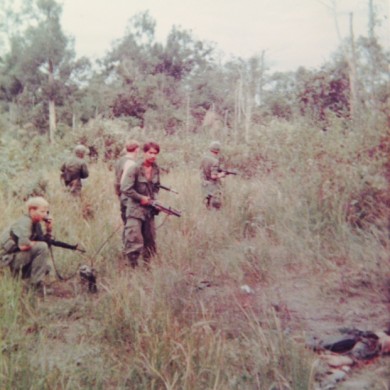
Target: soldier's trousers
[139, 239]
[32, 264]
[212, 195]
[122, 207]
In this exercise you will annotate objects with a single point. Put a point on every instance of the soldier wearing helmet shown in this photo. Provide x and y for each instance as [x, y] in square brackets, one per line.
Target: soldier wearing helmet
[74, 169]
[211, 176]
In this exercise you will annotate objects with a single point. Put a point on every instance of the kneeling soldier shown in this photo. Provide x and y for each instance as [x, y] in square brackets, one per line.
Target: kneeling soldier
[22, 244]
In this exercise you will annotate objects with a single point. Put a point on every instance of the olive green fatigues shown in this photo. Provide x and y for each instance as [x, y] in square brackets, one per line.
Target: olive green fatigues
[72, 171]
[119, 167]
[32, 263]
[211, 188]
[140, 229]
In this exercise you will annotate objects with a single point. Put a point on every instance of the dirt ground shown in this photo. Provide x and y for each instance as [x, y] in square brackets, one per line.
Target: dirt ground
[321, 305]
[310, 307]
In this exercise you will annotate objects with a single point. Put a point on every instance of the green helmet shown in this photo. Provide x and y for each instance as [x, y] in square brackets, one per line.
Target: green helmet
[215, 146]
[80, 150]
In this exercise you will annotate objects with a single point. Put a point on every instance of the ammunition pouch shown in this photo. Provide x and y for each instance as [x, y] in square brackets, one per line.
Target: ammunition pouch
[9, 246]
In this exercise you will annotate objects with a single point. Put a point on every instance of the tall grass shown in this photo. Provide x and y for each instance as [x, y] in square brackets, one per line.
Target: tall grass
[181, 324]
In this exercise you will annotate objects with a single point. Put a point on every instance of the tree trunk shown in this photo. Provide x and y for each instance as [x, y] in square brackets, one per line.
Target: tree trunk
[372, 65]
[351, 58]
[248, 114]
[52, 106]
[237, 109]
[188, 113]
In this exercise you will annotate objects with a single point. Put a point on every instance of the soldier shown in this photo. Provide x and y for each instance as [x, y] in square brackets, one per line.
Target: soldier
[75, 169]
[122, 165]
[139, 187]
[211, 176]
[22, 246]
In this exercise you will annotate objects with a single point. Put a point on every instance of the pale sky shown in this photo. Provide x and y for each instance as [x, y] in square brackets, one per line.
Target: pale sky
[292, 32]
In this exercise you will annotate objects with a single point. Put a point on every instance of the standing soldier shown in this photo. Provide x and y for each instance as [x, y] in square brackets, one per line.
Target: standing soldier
[22, 246]
[211, 175]
[122, 165]
[75, 169]
[139, 188]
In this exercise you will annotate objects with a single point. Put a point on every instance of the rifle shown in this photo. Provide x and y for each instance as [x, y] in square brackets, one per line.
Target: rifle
[50, 242]
[227, 172]
[62, 244]
[165, 209]
[166, 188]
[13, 246]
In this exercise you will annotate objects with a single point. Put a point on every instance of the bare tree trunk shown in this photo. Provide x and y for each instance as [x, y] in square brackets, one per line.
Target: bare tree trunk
[372, 67]
[237, 108]
[52, 120]
[188, 113]
[52, 106]
[248, 116]
[351, 58]
[261, 78]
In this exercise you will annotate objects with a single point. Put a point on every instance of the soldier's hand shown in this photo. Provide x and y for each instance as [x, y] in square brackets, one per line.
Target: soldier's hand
[145, 200]
[49, 224]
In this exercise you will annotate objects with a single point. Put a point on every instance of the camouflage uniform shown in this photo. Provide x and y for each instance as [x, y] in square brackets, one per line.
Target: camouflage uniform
[73, 170]
[119, 166]
[211, 188]
[140, 230]
[31, 263]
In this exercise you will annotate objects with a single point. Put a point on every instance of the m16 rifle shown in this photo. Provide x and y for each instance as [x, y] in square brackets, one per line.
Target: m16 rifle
[165, 209]
[50, 242]
[228, 172]
[166, 188]
[62, 244]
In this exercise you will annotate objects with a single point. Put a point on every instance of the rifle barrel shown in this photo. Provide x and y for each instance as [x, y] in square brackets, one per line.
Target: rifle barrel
[165, 209]
[61, 244]
[167, 189]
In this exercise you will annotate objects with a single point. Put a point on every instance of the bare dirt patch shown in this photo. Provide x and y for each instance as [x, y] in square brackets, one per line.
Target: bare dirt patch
[310, 306]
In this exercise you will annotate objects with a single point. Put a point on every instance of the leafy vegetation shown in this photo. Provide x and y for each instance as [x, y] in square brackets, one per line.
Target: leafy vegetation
[312, 194]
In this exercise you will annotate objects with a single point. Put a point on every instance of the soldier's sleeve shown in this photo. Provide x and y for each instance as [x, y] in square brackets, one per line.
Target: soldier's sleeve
[22, 230]
[128, 183]
[84, 171]
[127, 165]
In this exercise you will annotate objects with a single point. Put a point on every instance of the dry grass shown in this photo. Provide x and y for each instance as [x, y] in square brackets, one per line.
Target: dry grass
[184, 323]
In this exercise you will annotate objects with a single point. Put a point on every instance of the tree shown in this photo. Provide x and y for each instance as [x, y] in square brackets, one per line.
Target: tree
[324, 91]
[38, 68]
[151, 80]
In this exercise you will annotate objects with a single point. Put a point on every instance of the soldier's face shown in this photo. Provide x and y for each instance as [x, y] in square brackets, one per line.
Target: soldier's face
[150, 156]
[39, 213]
